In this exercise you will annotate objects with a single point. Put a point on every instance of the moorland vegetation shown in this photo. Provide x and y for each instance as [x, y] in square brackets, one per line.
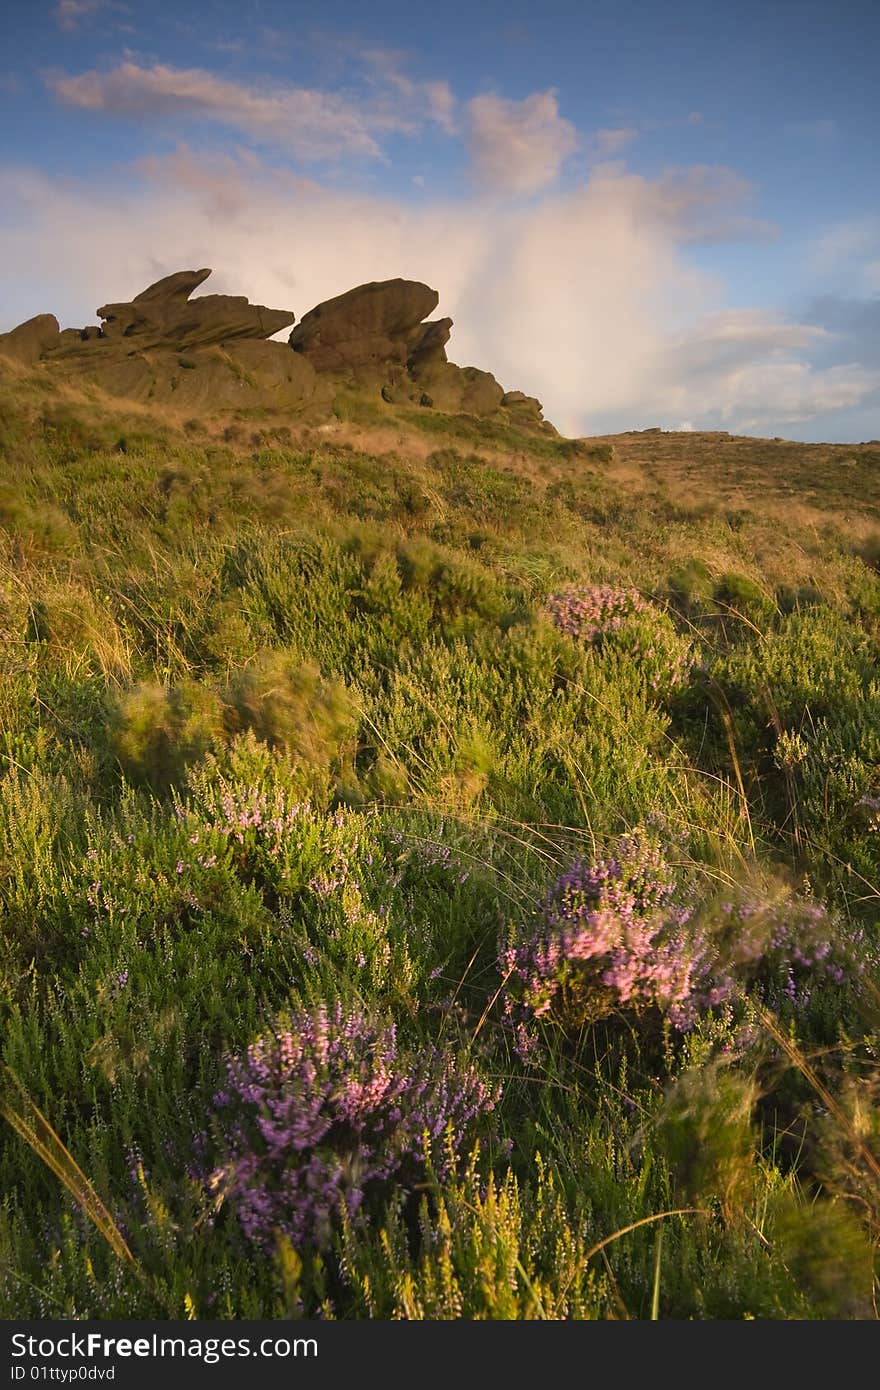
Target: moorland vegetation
[439, 867]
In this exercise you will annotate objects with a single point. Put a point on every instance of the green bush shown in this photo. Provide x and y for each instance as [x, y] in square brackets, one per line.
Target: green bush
[158, 730]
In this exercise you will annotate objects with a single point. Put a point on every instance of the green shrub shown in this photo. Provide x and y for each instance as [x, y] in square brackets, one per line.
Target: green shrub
[289, 706]
[158, 731]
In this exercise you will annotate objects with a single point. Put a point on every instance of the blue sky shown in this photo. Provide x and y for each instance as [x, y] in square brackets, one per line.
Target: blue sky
[647, 214]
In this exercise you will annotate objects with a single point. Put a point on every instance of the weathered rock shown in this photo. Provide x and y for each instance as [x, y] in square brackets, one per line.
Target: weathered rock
[163, 315]
[400, 389]
[250, 373]
[372, 324]
[213, 353]
[430, 344]
[459, 390]
[69, 339]
[29, 340]
[132, 376]
[274, 370]
[180, 285]
[522, 406]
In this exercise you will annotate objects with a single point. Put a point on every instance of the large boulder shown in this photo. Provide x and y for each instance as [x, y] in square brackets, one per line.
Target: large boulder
[180, 285]
[374, 324]
[163, 315]
[459, 390]
[279, 376]
[31, 339]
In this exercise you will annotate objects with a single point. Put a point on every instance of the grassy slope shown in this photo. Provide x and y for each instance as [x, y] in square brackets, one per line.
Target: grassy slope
[351, 611]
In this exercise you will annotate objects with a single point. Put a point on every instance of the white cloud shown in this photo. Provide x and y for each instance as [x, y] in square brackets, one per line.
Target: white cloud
[397, 93]
[586, 299]
[843, 241]
[441, 105]
[750, 370]
[519, 146]
[822, 131]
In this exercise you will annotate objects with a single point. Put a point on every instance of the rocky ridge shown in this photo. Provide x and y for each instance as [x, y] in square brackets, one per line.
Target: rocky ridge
[217, 352]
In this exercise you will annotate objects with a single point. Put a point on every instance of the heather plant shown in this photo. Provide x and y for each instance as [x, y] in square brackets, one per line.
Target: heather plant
[706, 1131]
[628, 934]
[610, 935]
[622, 620]
[779, 945]
[327, 1110]
[824, 1246]
[490, 1249]
[739, 600]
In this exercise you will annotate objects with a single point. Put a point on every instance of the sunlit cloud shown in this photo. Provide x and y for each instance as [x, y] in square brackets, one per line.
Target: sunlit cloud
[311, 124]
[586, 298]
[519, 146]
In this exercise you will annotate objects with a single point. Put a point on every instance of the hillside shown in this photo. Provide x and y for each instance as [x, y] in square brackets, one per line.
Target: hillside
[436, 857]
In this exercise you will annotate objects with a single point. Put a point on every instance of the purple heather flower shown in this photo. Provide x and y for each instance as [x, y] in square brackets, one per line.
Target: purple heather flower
[608, 935]
[592, 616]
[621, 933]
[587, 614]
[326, 1110]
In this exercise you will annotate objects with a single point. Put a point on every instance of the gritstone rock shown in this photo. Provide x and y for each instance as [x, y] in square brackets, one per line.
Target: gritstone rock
[429, 344]
[163, 315]
[373, 325]
[29, 340]
[212, 352]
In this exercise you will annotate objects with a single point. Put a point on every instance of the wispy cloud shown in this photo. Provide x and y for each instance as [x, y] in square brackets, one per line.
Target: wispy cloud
[753, 370]
[519, 146]
[72, 14]
[309, 123]
[708, 203]
[586, 298]
[610, 142]
[852, 325]
[394, 90]
[314, 125]
[822, 131]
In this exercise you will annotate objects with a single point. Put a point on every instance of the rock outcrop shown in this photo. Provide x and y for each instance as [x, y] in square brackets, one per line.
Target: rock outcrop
[163, 315]
[214, 352]
[30, 340]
